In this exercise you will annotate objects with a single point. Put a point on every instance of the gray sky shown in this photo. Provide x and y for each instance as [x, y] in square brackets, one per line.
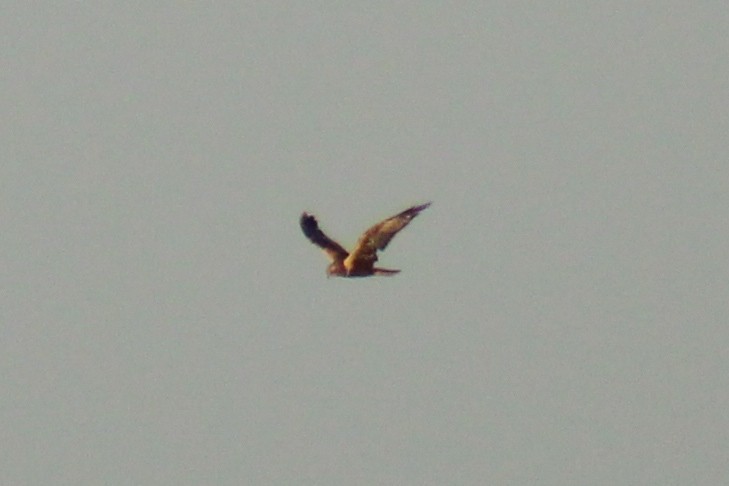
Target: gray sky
[561, 316]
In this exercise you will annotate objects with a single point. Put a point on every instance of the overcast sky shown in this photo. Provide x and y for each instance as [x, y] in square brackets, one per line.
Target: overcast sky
[561, 315]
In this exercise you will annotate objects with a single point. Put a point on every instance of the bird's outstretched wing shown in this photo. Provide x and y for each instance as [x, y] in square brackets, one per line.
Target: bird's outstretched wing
[311, 230]
[377, 237]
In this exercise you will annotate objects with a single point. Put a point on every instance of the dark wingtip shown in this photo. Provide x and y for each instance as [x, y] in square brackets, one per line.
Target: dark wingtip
[411, 212]
[308, 224]
[416, 209]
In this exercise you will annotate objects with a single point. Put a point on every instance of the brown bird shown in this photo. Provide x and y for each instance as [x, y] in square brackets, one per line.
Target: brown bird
[359, 263]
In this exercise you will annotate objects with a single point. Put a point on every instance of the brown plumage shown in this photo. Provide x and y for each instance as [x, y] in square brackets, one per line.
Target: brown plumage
[361, 262]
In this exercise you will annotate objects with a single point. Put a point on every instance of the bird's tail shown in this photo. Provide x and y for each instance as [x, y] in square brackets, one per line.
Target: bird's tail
[385, 271]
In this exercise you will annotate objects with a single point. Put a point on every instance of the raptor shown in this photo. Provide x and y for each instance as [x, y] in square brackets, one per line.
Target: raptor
[361, 261]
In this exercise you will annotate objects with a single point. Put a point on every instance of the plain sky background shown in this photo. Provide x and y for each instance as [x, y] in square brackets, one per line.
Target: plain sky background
[561, 315]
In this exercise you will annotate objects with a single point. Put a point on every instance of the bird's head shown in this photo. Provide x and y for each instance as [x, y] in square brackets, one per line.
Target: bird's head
[335, 270]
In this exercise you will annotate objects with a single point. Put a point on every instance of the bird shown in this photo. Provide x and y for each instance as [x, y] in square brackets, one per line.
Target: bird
[361, 262]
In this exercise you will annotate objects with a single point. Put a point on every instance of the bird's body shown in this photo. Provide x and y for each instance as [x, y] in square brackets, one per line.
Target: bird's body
[359, 263]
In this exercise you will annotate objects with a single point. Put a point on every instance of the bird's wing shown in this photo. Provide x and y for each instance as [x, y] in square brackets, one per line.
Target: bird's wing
[311, 230]
[377, 237]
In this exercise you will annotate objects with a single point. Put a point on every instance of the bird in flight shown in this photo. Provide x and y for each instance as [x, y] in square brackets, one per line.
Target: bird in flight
[361, 262]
